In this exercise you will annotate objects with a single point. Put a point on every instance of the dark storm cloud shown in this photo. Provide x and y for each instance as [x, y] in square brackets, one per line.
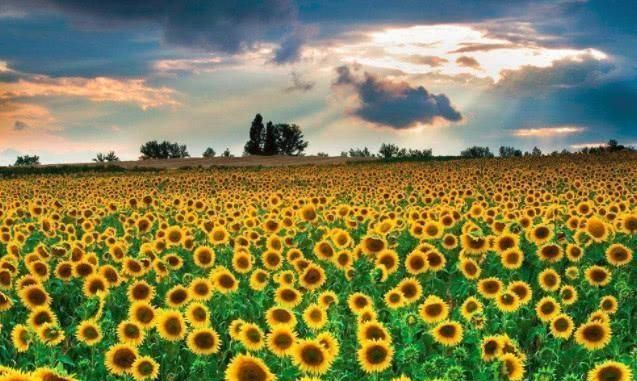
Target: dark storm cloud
[224, 25]
[395, 104]
[299, 84]
[566, 73]
[586, 92]
[467, 61]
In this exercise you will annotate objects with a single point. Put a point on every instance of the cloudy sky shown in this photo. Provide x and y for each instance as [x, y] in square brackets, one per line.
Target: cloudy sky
[81, 77]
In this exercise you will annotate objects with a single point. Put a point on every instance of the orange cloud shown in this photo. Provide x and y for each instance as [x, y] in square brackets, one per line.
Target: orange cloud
[99, 89]
[547, 132]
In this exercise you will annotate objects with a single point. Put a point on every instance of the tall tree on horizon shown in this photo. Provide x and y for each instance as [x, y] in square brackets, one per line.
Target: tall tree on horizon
[271, 137]
[255, 145]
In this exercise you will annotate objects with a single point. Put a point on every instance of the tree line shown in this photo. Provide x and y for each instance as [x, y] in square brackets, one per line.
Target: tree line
[287, 139]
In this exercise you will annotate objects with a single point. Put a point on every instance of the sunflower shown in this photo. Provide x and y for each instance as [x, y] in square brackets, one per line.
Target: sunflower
[145, 369]
[416, 262]
[505, 242]
[436, 261]
[200, 289]
[388, 259]
[276, 316]
[203, 341]
[224, 281]
[171, 325]
[512, 367]
[313, 277]
[219, 236]
[474, 244]
[470, 307]
[329, 342]
[366, 314]
[204, 257]
[551, 253]
[562, 326]
[281, 340]
[327, 299]
[177, 296]
[315, 316]
[140, 291]
[448, 333]
[507, 301]
[143, 313]
[491, 348]
[571, 272]
[129, 332]
[574, 253]
[568, 295]
[394, 299]
[593, 335]
[119, 359]
[512, 259]
[410, 288]
[89, 332]
[522, 290]
[372, 245]
[549, 280]
[358, 301]
[244, 367]
[610, 370]
[251, 337]
[598, 276]
[469, 268]
[433, 310]
[449, 241]
[21, 338]
[287, 296]
[234, 329]
[41, 315]
[597, 229]
[34, 296]
[599, 316]
[259, 279]
[373, 331]
[489, 288]
[242, 261]
[197, 315]
[608, 304]
[311, 357]
[540, 234]
[619, 255]
[547, 308]
[375, 356]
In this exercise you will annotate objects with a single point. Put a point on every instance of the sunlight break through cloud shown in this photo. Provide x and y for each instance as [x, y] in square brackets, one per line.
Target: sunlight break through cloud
[547, 132]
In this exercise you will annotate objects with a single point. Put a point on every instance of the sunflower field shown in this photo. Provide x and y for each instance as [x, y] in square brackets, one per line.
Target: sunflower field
[518, 269]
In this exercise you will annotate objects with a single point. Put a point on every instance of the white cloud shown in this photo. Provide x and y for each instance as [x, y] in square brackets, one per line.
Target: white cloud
[449, 43]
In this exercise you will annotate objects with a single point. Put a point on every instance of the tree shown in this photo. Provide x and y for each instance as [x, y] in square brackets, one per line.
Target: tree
[254, 146]
[476, 152]
[163, 150]
[357, 152]
[506, 151]
[289, 139]
[388, 151]
[270, 143]
[209, 152]
[27, 160]
[536, 152]
[106, 158]
[226, 153]
[322, 154]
